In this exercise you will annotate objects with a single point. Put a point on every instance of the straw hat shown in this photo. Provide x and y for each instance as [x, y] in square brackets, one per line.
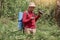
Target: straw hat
[32, 4]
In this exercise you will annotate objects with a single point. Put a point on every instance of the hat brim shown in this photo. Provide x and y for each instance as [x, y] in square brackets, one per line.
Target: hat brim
[31, 6]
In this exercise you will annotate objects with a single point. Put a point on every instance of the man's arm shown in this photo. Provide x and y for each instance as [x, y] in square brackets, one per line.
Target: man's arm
[25, 20]
[37, 17]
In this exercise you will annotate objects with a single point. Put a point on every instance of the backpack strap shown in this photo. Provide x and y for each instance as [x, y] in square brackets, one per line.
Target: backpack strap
[27, 12]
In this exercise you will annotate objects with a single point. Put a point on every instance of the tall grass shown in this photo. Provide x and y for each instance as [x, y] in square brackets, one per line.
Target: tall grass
[9, 31]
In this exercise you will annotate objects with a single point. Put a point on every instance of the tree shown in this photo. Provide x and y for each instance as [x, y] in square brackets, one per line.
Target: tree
[57, 13]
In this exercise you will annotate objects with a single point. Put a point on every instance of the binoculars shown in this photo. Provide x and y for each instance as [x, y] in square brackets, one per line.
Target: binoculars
[40, 11]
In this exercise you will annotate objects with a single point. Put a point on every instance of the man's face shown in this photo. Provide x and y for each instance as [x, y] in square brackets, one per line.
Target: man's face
[58, 2]
[31, 8]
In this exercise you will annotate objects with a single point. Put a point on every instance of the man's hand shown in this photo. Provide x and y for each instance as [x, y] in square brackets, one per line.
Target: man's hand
[32, 17]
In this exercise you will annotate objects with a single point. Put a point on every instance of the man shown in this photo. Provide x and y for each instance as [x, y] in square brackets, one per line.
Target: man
[29, 19]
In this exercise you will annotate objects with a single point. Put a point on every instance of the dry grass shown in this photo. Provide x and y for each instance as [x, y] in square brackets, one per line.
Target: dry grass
[44, 2]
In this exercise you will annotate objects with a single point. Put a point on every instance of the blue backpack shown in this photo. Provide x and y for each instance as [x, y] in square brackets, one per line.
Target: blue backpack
[20, 23]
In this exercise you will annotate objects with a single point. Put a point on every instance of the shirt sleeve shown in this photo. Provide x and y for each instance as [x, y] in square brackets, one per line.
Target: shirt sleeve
[25, 20]
[37, 17]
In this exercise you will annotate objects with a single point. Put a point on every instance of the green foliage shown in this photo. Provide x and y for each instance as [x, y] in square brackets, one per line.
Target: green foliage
[10, 8]
[46, 27]
[9, 31]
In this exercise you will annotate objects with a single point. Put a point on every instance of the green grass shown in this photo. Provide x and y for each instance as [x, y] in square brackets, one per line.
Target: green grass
[9, 31]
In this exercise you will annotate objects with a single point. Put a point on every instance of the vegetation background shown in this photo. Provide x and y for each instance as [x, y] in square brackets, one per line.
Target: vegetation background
[47, 28]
